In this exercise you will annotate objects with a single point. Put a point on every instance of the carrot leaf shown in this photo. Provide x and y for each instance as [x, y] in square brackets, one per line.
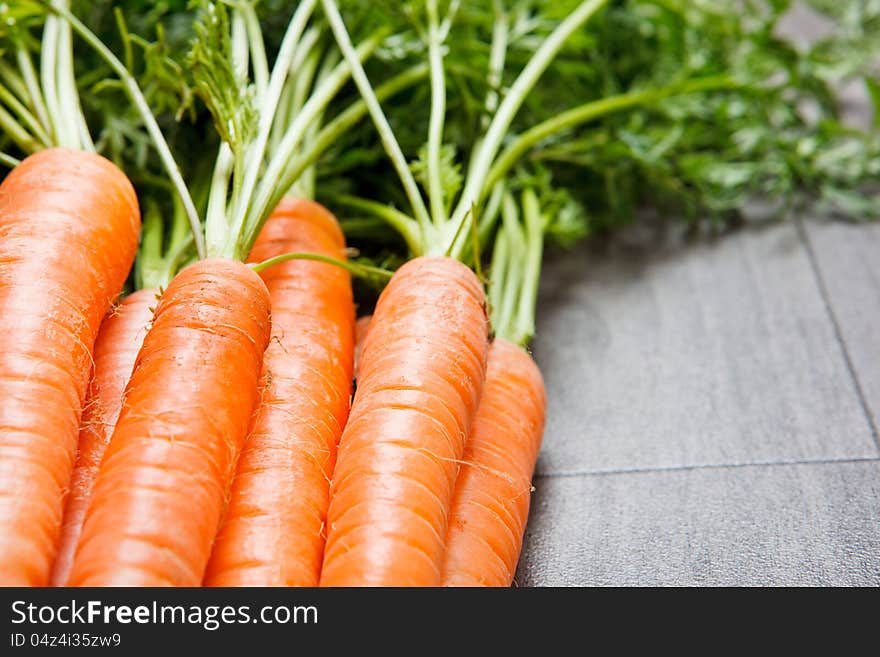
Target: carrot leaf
[229, 98]
[448, 172]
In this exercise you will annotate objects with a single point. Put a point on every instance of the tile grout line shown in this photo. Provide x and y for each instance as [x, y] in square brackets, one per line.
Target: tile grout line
[705, 466]
[838, 332]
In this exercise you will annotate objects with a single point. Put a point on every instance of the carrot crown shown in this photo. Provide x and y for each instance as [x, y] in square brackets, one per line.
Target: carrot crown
[39, 105]
[442, 225]
[516, 266]
[269, 119]
[163, 251]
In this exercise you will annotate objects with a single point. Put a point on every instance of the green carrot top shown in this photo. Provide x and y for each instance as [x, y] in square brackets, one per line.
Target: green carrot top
[442, 220]
[268, 119]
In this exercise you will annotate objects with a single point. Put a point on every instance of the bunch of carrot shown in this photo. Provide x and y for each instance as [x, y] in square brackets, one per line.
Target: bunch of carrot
[187, 438]
[228, 422]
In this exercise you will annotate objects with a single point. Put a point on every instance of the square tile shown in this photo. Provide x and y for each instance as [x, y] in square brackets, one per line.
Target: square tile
[808, 524]
[662, 351]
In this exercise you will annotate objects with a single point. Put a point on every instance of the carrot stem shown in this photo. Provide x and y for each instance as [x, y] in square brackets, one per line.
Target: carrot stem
[394, 218]
[494, 76]
[490, 213]
[215, 215]
[9, 161]
[345, 120]
[294, 98]
[317, 102]
[516, 267]
[386, 134]
[241, 49]
[497, 273]
[594, 110]
[48, 57]
[230, 228]
[20, 90]
[306, 66]
[361, 271]
[437, 117]
[74, 120]
[497, 57]
[150, 252]
[127, 50]
[32, 85]
[137, 98]
[512, 281]
[160, 254]
[304, 186]
[29, 121]
[22, 138]
[256, 152]
[259, 63]
[476, 182]
[524, 320]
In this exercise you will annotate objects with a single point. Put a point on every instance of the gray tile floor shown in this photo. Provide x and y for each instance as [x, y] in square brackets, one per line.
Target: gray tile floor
[713, 408]
[713, 404]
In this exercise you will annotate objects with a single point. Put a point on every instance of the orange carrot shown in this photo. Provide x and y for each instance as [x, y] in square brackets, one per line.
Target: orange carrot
[69, 223]
[273, 532]
[161, 488]
[420, 378]
[492, 496]
[119, 340]
[492, 493]
[361, 328]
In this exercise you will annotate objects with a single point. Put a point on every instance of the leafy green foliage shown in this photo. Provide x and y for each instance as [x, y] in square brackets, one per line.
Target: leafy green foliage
[17, 19]
[566, 220]
[778, 134]
[450, 171]
[210, 61]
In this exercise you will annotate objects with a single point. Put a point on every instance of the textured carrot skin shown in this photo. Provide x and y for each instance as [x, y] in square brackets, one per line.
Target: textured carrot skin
[273, 532]
[162, 485]
[361, 328]
[119, 340]
[69, 223]
[493, 489]
[419, 383]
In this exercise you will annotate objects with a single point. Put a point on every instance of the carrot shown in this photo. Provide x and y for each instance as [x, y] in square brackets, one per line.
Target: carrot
[491, 503]
[273, 533]
[420, 378]
[361, 328]
[69, 223]
[116, 348]
[160, 490]
[492, 493]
